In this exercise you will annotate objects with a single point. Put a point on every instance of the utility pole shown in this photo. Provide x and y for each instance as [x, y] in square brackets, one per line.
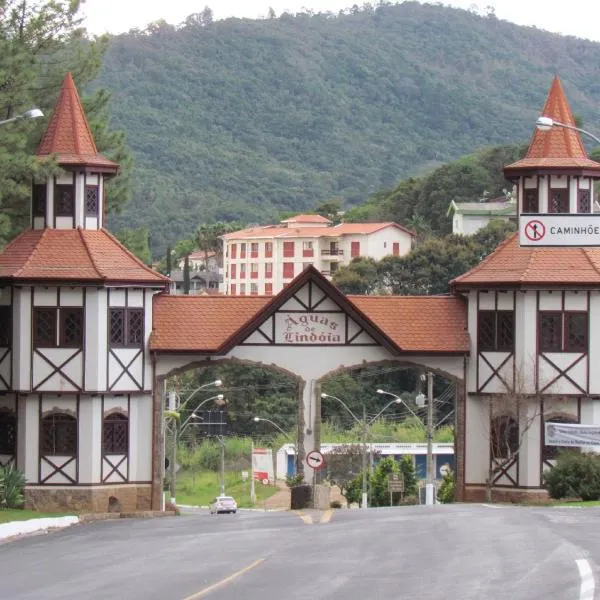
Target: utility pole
[252, 485]
[429, 488]
[364, 503]
[220, 438]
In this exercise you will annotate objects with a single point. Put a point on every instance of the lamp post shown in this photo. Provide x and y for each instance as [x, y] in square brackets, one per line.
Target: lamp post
[429, 495]
[173, 408]
[365, 428]
[33, 113]
[547, 123]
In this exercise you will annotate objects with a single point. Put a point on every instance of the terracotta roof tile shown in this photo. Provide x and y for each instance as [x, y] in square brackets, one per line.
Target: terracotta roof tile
[73, 254]
[419, 323]
[513, 265]
[558, 147]
[270, 231]
[415, 324]
[307, 219]
[68, 134]
[192, 323]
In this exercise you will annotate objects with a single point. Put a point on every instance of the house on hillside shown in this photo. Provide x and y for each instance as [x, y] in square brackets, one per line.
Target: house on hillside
[469, 217]
[202, 261]
[263, 260]
[201, 282]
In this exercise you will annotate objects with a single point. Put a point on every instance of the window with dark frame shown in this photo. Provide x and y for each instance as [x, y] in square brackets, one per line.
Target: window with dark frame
[91, 200]
[115, 434]
[38, 196]
[126, 327]
[496, 331]
[583, 201]
[5, 326]
[59, 435]
[531, 201]
[71, 327]
[44, 327]
[558, 201]
[64, 201]
[563, 331]
[8, 433]
[504, 437]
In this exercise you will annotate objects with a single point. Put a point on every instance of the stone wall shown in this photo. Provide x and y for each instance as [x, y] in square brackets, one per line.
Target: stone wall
[512, 495]
[88, 499]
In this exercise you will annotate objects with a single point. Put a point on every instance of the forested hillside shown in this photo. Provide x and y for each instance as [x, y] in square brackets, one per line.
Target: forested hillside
[241, 119]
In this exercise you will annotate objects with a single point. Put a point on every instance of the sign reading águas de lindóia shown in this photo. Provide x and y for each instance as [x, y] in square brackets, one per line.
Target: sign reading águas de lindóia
[310, 328]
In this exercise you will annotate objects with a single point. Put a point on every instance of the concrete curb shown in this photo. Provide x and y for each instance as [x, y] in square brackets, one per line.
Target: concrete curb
[15, 529]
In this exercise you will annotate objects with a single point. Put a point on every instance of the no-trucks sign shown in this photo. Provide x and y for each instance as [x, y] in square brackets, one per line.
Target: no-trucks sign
[559, 230]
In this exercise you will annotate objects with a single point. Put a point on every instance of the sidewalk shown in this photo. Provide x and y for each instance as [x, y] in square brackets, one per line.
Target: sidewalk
[16, 528]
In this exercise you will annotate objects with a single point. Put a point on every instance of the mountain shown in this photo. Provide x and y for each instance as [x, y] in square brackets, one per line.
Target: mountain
[242, 119]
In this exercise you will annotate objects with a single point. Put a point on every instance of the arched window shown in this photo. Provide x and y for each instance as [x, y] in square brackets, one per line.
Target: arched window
[504, 437]
[59, 434]
[8, 432]
[551, 452]
[115, 436]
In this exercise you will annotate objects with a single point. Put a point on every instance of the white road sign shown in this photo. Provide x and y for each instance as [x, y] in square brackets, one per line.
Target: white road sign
[559, 230]
[315, 460]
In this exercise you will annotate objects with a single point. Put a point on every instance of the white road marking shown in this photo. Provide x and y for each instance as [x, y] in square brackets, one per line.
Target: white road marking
[492, 506]
[586, 591]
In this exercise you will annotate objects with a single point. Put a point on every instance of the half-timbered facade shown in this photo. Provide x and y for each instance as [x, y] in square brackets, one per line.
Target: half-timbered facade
[76, 411]
[533, 317]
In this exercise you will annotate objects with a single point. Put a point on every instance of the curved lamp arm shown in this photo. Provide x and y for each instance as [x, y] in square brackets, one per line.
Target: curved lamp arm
[359, 421]
[546, 124]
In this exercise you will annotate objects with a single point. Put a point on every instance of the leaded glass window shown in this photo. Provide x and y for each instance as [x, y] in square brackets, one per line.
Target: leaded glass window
[39, 200]
[135, 327]
[559, 201]
[117, 327]
[64, 201]
[91, 200]
[126, 327]
[8, 433]
[59, 434]
[71, 327]
[531, 201]
[44, 327]
[583, 201]
[5, 326]
[116, 434]
[496, 331]
[486, 335]
[504, 438]
[576, 332]
[550, 335]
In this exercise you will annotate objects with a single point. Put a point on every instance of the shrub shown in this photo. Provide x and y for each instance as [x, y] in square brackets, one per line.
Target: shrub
[12, 485]
[409, 500]
[575, 475]
[335, 504]
[294, 480]
[446, 490]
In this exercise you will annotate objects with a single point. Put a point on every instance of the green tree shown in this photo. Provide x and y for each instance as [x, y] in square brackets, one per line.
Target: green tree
[359, 277]
[136, 241]
[208, 237]
[169, 260]
[39, 42]
[186, 275]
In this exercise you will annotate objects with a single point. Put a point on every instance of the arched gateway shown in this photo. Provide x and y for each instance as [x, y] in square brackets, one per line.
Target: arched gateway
[88, 333]
[310, 329]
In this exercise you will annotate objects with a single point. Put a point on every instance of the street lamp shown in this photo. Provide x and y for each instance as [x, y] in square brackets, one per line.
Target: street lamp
[400, 401]
[365, 426]
[33, 113]
[547, 123]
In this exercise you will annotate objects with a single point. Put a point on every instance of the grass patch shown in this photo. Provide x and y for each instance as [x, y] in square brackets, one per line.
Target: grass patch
[578, 503]
[198, 489]
[15, 514]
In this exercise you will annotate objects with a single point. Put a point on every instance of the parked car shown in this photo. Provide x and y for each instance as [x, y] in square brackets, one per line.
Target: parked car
[223, 504]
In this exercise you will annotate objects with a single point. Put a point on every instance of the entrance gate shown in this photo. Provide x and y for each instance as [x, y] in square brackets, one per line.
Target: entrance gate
[309, 330]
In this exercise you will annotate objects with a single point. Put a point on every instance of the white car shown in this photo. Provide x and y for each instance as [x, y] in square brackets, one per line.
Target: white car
[223, 504]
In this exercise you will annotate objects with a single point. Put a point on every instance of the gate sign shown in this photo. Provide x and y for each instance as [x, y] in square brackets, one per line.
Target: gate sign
[315, 460]
[572, 434]
[311, 328]
[559, 230]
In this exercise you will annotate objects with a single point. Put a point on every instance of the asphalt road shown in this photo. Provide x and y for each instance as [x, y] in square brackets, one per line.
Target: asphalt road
[458, 552]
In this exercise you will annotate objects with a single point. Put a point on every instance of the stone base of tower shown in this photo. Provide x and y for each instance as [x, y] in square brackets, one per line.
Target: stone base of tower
[514, 495]
[88, 499]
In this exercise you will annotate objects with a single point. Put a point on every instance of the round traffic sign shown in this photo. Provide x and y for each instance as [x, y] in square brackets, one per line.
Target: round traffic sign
[315, 460]
[535, 230]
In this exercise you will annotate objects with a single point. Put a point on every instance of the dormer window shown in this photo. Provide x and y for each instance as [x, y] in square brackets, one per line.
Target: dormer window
[91, 200]
[39, 200]
[559, 201]
[64, 201]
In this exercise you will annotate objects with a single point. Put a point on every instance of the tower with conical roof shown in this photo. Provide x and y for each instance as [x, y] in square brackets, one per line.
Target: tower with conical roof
[76, 402]
[534, 318]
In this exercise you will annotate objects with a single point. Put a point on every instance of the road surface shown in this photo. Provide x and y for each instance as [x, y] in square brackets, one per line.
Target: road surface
[456, 552]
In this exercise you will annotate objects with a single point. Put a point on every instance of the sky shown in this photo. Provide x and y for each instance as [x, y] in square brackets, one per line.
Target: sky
[580, 18]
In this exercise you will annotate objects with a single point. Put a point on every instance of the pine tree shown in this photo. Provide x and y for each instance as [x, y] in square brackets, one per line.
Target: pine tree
[39, 43]
[169, 260]
[186, 275]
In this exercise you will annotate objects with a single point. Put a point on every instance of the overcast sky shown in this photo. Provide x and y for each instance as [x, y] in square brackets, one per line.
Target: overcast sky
[575, 17]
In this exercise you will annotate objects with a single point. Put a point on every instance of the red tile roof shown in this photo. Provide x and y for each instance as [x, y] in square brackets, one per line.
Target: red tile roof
[307, 219]
[68, 134]
[271, 231]
[434, 324]
[515, 266]
[199, 323]
[73, 254]
[558, 147]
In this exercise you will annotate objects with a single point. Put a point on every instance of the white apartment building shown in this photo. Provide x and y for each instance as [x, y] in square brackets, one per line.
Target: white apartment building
[263, 260]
